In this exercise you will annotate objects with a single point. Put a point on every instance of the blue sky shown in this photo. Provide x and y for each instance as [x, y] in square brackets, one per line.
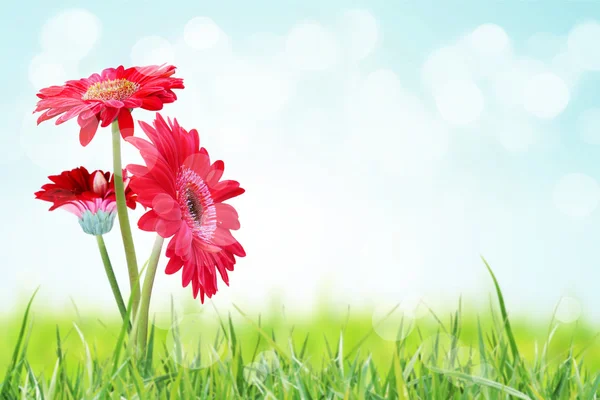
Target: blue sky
[384, 145]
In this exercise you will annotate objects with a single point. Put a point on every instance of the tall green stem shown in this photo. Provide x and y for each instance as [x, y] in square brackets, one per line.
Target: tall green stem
[114, 285]
[132, 265]
[142, 327]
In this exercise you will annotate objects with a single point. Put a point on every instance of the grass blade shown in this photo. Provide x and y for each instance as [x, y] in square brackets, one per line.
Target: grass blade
[509, 333]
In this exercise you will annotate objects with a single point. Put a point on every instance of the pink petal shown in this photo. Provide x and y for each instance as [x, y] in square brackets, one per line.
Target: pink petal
[166, 207]
[88, 131]
[99, 184]
[227, 217]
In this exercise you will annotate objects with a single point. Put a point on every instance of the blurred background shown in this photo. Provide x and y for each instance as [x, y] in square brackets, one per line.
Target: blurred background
[384, 146]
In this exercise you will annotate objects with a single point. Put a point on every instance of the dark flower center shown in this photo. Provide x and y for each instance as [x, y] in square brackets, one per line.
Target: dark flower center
[197, 205]
[194, 205]
[112, 89]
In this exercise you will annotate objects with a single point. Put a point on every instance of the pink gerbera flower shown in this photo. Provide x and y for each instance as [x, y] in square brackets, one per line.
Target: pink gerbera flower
[104, 97]
[91, 197]
[186, 195]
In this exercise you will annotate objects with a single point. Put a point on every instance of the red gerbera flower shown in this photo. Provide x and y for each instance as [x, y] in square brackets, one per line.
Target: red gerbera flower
[107, 96]
[186, 196]
[91, 197]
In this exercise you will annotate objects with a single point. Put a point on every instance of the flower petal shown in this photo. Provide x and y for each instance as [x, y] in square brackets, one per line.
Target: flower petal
[88, 131]
[174, 265]
[147, 222]
[125, 123]
[166, 207]
[99, 183]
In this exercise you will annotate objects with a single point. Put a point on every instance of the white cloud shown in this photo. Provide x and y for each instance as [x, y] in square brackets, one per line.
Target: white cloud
[254, 89]
[198, 67]
[583, 45]
[444, 65]
[71, 34]
[264, 45]
[65, 38]
[46, 70]
[514, 133]
[554, 50]
[56, 148]
[392, 126]
[201, 33]
[576, 195]
[490, 40]
[459, 102]
[566, 67]
[545, 95]
[311, 47]
[359, 33]
[487, 51]
[10, 141]
[315, 128]
[152, 50]
[508, 85]
[484, 52]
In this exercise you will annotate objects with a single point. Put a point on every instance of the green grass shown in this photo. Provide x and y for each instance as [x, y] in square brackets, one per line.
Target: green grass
[327, 356]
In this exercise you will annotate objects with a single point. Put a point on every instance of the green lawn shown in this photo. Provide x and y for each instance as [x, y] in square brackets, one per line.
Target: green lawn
[327, 356]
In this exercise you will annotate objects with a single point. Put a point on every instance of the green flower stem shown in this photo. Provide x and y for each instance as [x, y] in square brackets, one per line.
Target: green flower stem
[132, 265]
[114, 285]
[142, 323]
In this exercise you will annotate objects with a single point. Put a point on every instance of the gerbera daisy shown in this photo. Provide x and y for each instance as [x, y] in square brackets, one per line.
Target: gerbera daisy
[104, 97]
[186, 195]
[90, 196]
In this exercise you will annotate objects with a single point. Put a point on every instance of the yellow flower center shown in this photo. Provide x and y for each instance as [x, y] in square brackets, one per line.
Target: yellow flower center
[115, 89]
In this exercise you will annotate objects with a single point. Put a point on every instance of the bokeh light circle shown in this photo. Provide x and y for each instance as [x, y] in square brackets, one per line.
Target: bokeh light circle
[311, 47]
[392, 322]
[265, 363]
[437, 350]
[460, 102]
[195, 341]
[361, 33]
[490, 39]
[152, 50]
[546, 95]
[583, 45]
[568, 310]
[201, 33]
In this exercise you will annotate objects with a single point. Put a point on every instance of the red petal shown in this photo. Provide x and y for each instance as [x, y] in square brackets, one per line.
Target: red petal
[183, 241]
[167, 229]
[125, 123]
[108, 115]
[215, 173]
[173, 266]
[187, 274]
[152, 103]
[148, 221]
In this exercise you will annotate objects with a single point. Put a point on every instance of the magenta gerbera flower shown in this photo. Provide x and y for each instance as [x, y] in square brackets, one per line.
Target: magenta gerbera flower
[186, 194]
[90, 196]
[104, 97]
